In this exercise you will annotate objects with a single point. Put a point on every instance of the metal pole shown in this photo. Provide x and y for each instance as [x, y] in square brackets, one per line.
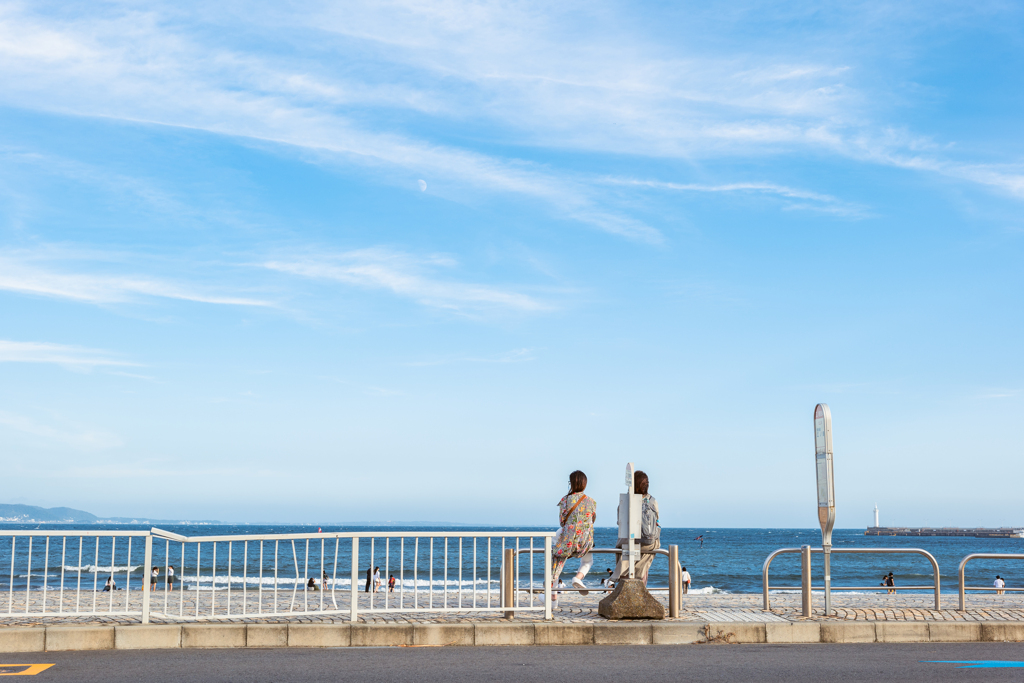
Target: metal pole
[354, 588]
[148, 568]
[547, 573]
[675, 581]
[827, 551]
[506, 582]
[805, 579]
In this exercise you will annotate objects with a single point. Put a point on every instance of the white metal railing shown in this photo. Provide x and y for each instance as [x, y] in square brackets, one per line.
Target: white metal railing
[232, 576]
[66, 573]
[885, 551]
[983, 556]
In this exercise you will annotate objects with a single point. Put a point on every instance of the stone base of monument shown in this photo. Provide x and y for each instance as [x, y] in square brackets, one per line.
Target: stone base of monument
[630, 600]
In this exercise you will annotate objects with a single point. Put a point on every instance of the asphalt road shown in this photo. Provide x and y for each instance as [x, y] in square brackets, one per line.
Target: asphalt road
[649, 664]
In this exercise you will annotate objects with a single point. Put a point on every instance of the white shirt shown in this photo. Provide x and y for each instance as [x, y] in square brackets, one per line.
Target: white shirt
[999, 583]
[686, 577]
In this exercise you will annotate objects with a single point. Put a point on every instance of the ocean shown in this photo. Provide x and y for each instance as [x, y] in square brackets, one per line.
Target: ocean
[729, 561]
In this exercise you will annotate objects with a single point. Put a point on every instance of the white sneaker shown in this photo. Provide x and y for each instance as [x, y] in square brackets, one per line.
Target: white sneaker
[576, 583]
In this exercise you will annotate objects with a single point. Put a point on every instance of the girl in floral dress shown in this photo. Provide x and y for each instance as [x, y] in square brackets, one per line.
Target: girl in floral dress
[577, 513]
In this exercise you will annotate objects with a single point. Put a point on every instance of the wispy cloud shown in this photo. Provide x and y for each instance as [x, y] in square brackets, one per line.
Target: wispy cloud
[24, 274]
[814, 201]
[59, 354]
[85, 439]
[407, 276]
[998, 393]
[514, 356]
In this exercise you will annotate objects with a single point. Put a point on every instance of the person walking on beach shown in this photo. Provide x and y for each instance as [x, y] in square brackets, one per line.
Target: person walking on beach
[577, 513]
[323, 579]
[391, 584]
[685, 576]
[376, 579]
[153, 578]
[890, 581]
[999, 584]
[170, 577]
[369, 578]
[650, 531]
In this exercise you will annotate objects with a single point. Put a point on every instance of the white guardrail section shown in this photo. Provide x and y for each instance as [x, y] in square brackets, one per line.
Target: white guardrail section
[239, 576]
[936, 585]
[983, 556]
[65, 573]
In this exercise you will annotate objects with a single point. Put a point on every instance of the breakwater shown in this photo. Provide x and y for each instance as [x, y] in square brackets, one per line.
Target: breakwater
[1002, 532]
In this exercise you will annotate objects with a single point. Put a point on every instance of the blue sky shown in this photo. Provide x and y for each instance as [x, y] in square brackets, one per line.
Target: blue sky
[418, 261]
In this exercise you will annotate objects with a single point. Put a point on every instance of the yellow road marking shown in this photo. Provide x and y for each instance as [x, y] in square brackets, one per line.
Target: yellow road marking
[30, 670]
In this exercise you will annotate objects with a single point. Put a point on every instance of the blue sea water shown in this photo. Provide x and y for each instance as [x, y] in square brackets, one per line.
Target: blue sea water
[730, 560]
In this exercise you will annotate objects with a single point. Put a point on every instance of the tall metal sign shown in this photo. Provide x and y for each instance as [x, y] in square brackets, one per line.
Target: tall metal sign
[629, 520]
[826, 489]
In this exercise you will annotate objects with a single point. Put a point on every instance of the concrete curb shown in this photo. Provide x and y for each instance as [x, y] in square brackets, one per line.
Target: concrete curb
[204, 635]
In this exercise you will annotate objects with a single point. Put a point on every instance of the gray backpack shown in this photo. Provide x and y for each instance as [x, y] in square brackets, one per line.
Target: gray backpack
[650, 531]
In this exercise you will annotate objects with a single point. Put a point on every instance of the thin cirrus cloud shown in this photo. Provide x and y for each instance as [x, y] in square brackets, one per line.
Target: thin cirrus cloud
[409, 277]
[814, 201]
[182, 88]
[75, 357]
[65, 436]
[527, 72]
[513, 356]
[23, 276]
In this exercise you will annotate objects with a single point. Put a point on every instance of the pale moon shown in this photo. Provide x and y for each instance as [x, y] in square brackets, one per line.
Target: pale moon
[423, 185]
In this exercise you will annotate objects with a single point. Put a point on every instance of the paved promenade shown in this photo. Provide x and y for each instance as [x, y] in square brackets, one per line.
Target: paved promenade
[983, 607]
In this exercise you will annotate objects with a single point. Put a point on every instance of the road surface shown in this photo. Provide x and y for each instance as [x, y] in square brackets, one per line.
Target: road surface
[645, 664]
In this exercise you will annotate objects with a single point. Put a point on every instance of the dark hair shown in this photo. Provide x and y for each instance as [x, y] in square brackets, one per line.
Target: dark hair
[577, 482]
[640, 482]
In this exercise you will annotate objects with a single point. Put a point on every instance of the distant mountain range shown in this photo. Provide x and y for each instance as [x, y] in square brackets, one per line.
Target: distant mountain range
[31, 514]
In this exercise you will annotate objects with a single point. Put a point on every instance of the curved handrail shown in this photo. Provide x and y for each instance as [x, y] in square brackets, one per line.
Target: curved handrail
[974, 556]
[764, 571]
[917, 551]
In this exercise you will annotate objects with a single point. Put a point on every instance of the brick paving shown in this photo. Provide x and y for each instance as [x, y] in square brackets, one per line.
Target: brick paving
[572, 608]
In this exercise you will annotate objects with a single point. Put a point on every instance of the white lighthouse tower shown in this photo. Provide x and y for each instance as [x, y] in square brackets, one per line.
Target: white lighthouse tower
[876, 516]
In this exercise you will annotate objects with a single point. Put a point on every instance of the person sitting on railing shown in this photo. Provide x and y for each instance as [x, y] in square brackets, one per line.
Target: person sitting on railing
[650, 532]
[575, 537]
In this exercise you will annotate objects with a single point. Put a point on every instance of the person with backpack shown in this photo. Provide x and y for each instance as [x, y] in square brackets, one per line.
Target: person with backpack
[650, 531]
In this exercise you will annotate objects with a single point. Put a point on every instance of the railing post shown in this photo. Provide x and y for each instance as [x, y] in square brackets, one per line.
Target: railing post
[675, 587]
[805, 579]
[354, 588]
[507, 589]
[963, 593]
[547, 574]
[147, 570]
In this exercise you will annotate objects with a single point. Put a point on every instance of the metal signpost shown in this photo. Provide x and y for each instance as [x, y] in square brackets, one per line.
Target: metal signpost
[629, 520]
[826, 489]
